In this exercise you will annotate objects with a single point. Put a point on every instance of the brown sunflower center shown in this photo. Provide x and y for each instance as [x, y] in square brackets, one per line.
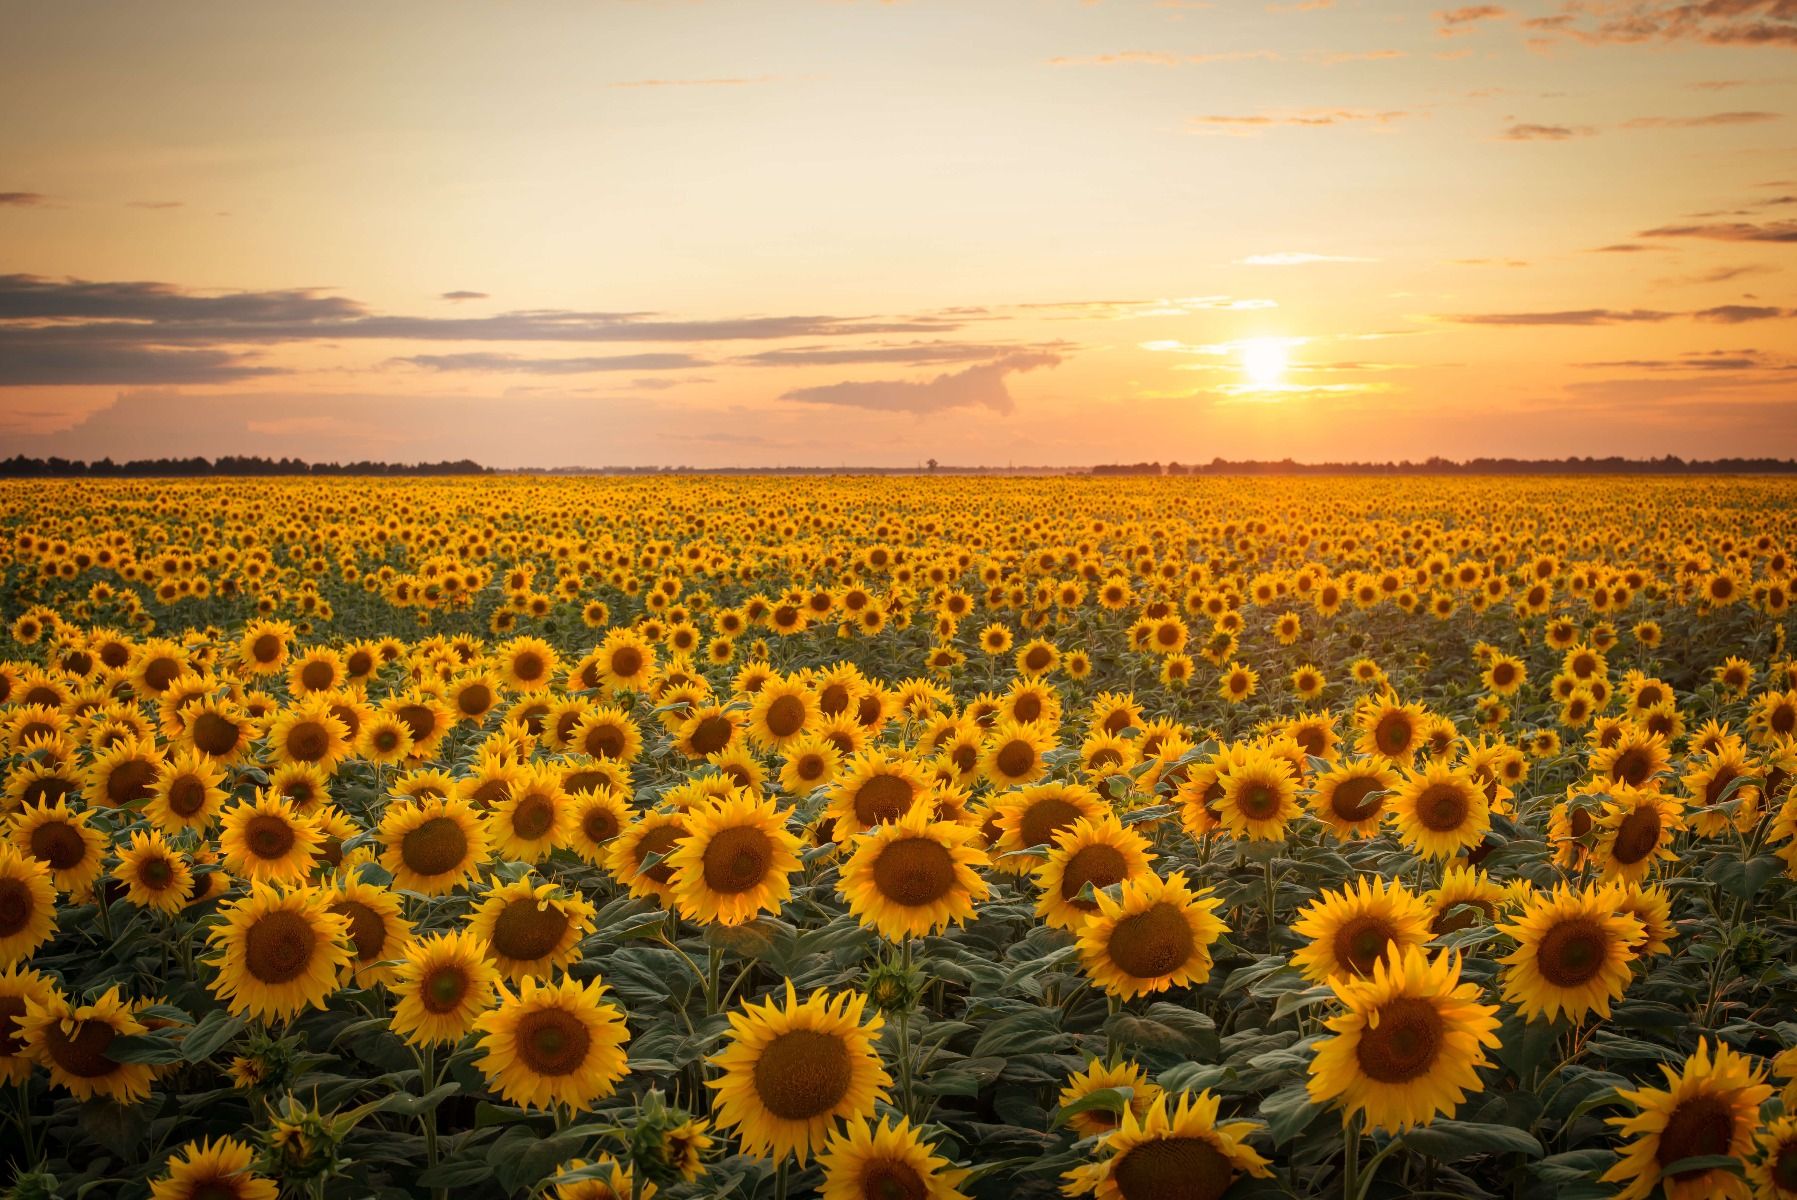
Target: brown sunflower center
[266, 648]
[1027, 707]
[1443, 807]
[737, 859]
[914, 871]
[1173, 1168]
[1045, 818]
[1405, 1042]
[186, 796]
[17, 905]
[474, 699]
[420, 719]
[1362, 941]
[599, 824]
[1637, 836]
[1354, 799]
[803, 1074]
[436, 847]
[711, 735]
[130, 780]
[316, 676]
[155, 874]
[528, 666]
[659, 840]
[785, 716]
[59, 844]
[1257, 801]
[533, 816]
[881, 799]
[268, 837]
[308, 741]
[444, 988]
[626, 661]
[1393, 733]
[529, 929]
[82, 1055]
[604, 741]
[279, 946]
[11, 1009]
[552, 1041]
[1699, 1127]
[366, 929]
[1632, 766]
[1572, 952]
[1784, 1161]
[214, 734]
[1152, 943]
[1016, 759]
[1099, 865]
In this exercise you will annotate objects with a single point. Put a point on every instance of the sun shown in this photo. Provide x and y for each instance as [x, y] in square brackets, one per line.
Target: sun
[1264, 361]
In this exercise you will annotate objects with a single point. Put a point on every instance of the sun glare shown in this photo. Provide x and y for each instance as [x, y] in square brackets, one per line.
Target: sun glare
[1263, 361]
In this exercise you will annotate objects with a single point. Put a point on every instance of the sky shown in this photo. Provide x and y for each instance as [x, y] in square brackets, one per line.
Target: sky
[547, 233]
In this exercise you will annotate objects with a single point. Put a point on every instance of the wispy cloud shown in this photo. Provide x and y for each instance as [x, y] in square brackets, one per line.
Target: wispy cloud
[1715, 22]
[155, 204]
[1729, 314]
[458, 296]
[1545, 133]
[1735, 231]
[1702, 121]
[524, 365]
[23, 200]
[1253, 124]
[1452, 22]
[976, 387]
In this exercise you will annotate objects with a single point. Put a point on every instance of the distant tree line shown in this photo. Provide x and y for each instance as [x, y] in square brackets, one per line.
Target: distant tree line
[1671, 464]
[19, 467]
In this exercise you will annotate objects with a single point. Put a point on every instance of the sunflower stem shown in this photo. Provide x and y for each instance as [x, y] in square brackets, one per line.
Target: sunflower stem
[904, 1018]
[1351, 1157]
[1272, 916]
[714, 968]
[780, 1179]
[427, 1083]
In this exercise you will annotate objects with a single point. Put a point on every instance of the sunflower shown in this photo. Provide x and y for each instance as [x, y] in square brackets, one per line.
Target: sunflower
[1440, 810]
[783, 710]
[553, 1043]
[378, 930]
[189, 793]
[473, 695]
[154, 875]
[440, 986]
[875, 788]
[1355, 929]
[124, 773]
[265, 841]
[707, 730]
[1259, 797]
[531, 930]
[625, 662]
[425, 715]
[1100, 1076]
[1098, 852]
[791, 1071]
[309, 732]
[27, 905]
[20, 986]
[1350, 798]
[1504, 674]
[1157, 935]
[1711, 783]
[1634, 759]
[652, 835]
[263, 648]
[279, 952]
[1774, 1173]
[383, 739]
[1462, 886]
[434, 845]
[218, 729]
[212, 1170]
[1651, 906]
[913, 876]
[1573, 951]
[1635, 832]
[1390, 729]
[1013, 754]
[608, 733]
[31, 784]
[528, 664]
[63, 840]
[595, 817]
[71, 1042]
[807, 764]
[613, 1181]
[864, 1161]
[1410, 1045]
[1709, 1108]
[1176, 1149]
[736, 861]
[534, 818]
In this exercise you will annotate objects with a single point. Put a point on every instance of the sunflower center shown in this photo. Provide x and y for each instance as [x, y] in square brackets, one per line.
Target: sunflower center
[186, 796]
[366, 929]
[436, 847]
[914, 871]
[419, 719]
[711, 735]
[533, 817]
[1152, 943]
[1045, 818]
[59, 844]
[316, 676]
[529, 929]
[1354, 799]
[1405, 1043]
[443, 989]
[659, 840]
[156, 874]
[1098, 865]
[803, 1074]
[129, 781]
[11, 1009]
[1017, 759]
[1632, 766]
[214, 734]
[1173, 1168]
[84, 1054]
[1361, 942]
[881, 799]
[553, 1041]
[307, 741]
[17, 906]
[1258, 802]
[1443, 808]
[213, 1188]
[474, 699]
[266, 648]
[1784, 1159]
[604, 741]
[892, 1179]
[1698, 1127]
[268, 837]
[599, 824]
[279, 946]
[785, 716]
[626, 661]
[737, 859]
[1637, 836]
[1712, 792]
[1393, 733]
[1572, 952]
[528, 666]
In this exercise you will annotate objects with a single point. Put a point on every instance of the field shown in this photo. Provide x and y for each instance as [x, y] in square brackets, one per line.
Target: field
[1147, 839]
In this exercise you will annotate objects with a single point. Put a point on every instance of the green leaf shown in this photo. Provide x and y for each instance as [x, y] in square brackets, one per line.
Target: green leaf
[151, 1048]
[1703, 1162]
[456, 1173]
[1111, 1100]
[214, 1030]
[1287, 1112]
[1451, 1141]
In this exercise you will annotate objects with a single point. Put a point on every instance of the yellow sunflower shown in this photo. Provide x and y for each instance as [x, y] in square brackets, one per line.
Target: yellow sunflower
[1573, 951]
[652, 836]
[913, 876]
[1013, 754]
[1409, 1046]
[875, 788]
[63, 840]
[265, 841]
[1030, 817]
[783, 710]
[71, 1041]
[1259, 798]
[534, 818]
[218, 729]
[189, 793]
[1709, 1108]
[614, 1181]
[1774, 1173]
[1101, 1076]
[1440, 810]
[549, 1044]
[1462, 886]
[278, 952]
[607, 732]
[153, 873]
[27, 905]
[625, 662]
[1099, 853]
[595, 817]
[1350, 798]
[378, 930]
[1635, 832]
[212, 1170]
[20, 986]
[865, 1160]
[1178, 1148]
[1353, 930]
[442, 984]
[308, 731]
[736, 861]
[1390, 729]
[433, 846]
[792, 1071]
[1157, 935]
[531, 930]
[123, 773]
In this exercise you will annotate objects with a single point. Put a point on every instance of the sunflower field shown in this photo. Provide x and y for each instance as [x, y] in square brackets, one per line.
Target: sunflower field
[898, 839]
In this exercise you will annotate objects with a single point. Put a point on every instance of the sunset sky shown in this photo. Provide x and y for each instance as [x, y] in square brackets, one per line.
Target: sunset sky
[759, 232]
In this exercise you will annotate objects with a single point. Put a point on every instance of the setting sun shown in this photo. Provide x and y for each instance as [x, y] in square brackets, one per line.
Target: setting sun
[1264, 361]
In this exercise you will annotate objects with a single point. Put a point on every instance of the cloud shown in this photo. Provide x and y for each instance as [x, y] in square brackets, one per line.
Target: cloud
[1722, 274]
[1253, 124]
[458, 297]
[1704, 121]
[1298, 258]
[1725, 314]
[913, 353]
[1455, 21]
[1736, 231]
[23, 200]
[1627, 248]
[514, 364]
[1734, 314]
[154, 204]
[47, 363]
[1544, 133]
[982, 386]
[1713, 22]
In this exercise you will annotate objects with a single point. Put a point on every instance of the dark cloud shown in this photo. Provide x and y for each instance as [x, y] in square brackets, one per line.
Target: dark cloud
[37, 298]
[480, 361]
[982, 386]
[1698, 122]
[454, 297]
[1544, 133]
[23, 199]
[1733, 231]
[1626, 248]
[1723, 274]
[1735, 314]
[1715, 22]
[1455, 21]
[47, 363]
[1726, 314]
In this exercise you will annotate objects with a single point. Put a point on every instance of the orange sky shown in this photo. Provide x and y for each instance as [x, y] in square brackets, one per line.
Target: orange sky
[759, 232]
